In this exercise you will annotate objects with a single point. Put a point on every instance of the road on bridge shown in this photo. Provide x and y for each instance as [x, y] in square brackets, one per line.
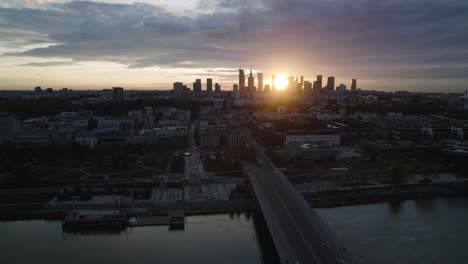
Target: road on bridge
[299, 234]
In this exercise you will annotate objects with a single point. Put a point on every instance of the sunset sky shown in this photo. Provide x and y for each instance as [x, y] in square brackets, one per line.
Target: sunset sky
[387, 45]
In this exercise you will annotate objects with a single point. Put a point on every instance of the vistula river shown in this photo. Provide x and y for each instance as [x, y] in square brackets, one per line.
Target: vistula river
[421, 231]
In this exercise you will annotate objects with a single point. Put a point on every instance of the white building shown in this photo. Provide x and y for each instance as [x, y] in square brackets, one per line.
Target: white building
[331, 139]
[88, 140]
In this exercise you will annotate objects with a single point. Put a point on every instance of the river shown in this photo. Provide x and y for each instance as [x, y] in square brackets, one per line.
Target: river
[420, 231]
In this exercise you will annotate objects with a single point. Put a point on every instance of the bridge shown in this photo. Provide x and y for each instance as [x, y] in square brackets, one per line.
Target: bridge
[299, 234]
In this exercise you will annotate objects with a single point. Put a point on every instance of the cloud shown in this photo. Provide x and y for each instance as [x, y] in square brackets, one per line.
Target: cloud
[47, 64]
[373, 39]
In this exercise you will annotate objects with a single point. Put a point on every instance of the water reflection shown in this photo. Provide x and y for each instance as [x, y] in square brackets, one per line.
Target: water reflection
[419, 231]
[227, 238]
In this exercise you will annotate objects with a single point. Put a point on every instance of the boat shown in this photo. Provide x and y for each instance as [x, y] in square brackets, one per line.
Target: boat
[95, 219]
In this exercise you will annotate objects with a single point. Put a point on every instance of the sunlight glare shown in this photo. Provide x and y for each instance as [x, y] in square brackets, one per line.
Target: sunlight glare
[281, 82]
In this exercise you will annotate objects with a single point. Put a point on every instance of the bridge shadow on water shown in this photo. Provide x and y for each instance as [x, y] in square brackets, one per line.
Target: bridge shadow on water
[267, 247]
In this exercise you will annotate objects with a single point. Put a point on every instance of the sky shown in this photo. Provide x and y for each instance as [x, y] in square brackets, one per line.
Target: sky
[416, 45]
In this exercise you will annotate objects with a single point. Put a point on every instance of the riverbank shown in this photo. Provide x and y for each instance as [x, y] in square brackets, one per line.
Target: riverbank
[384, 193]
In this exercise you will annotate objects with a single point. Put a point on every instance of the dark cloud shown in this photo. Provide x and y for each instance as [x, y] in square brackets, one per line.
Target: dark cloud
[373, 39]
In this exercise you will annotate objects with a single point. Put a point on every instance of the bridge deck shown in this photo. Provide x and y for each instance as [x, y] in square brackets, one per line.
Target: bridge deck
[299, 234]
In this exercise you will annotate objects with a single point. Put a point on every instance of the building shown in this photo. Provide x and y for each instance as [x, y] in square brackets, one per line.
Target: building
[149, 117]
[37, 89]
[307, 88]
[290, 84]
[251, 83]
[209, 85]
[9, 128]
[217, 135]
[241, 81]
[331, 83]
[118, 95]
[197, 86]
[319, 83]
[341, 88]
[260, 81]
[309, 151]
[179, 89]
[235, 87]
[273, 80]
[86, 139]
[353, 85]
[217, 88]
[331, 139]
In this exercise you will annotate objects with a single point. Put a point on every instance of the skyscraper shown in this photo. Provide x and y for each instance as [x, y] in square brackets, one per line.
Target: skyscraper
[197, 87]
[217, 88]
[353, 85]
[235, 87]
[316, 88]
[267, 89]
[251, 83]
[319, 82]
[331, 83]
[209, 85]
[273, 80]
[307, 88]
[241, 81]
[290, 84]
[118, 95]
[260, 82]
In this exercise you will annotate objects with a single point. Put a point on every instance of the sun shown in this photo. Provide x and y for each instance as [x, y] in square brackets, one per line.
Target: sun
[281, 82]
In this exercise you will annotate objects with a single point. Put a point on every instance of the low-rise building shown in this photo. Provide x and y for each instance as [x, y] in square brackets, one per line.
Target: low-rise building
[331, 139]
[309, 151]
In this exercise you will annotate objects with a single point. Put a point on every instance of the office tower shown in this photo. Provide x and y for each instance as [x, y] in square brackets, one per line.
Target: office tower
[260, 81]
[235, 87]
[319, 82]
[301, 82]
[241, 81]
[251, 83]
[267, 89]
[118, 95]
[307, 88]
[197, 87]
[290, 83]
[217, 88]
[209, 85]
[273, 84]
[331, 83]
[353, 85]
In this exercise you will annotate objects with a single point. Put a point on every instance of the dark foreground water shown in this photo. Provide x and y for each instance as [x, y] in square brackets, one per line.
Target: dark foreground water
[206, 239]
[419, 231]
[422, 231]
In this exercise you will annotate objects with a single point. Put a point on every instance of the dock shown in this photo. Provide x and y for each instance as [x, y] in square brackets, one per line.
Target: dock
[175, 218]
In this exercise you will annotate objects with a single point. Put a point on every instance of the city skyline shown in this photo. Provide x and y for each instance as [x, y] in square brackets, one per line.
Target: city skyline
[395, 45]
